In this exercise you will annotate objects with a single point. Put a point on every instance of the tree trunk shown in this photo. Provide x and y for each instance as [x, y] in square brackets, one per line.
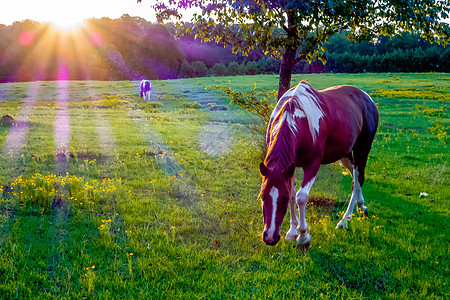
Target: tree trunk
[289, 56]
[286, 67]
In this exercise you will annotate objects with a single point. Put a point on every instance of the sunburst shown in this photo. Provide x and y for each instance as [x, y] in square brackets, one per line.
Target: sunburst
[65, 23]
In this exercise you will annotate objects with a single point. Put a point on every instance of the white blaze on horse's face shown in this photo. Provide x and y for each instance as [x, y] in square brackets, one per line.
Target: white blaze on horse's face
[274, 193]
[274, 208]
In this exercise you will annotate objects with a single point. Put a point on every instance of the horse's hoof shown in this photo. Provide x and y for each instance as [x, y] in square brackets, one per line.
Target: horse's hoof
[365, 210]
[291, 237]
[304, 247]
[304, 243]
[341, 224]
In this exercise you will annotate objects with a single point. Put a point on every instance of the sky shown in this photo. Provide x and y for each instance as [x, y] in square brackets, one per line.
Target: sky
[69, 13]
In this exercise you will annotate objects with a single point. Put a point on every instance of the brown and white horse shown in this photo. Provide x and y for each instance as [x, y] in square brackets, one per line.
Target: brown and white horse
[309, 128]
[146, 87]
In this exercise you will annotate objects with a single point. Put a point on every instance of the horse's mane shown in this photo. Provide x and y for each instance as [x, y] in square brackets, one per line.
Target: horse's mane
[306, 98]
[300, 101]
[280, 148]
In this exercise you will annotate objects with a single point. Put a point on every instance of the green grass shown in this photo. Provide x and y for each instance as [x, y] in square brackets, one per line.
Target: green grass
[160, 200]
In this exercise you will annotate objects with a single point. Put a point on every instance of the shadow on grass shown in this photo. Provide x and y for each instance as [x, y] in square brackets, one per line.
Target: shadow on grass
[405, 257]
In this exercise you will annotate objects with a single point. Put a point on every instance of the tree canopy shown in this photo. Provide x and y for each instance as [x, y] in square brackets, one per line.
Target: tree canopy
[292, 30]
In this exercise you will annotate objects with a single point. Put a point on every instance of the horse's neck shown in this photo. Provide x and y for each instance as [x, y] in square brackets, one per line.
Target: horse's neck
[281, 152]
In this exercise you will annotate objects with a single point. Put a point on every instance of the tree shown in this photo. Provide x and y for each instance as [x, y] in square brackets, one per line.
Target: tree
[219, 69]
[292, 30]
[233, 69]
[199, 68]
[251, 68]
[186, 70]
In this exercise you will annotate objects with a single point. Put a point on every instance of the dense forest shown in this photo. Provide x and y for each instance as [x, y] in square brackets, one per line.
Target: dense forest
[133, 48]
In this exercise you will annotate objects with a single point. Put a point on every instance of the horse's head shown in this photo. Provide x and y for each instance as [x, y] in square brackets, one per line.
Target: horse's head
[275, 191]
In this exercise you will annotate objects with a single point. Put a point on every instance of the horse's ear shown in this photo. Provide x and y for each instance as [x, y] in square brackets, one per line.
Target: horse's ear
[290, 171]
[263, 169]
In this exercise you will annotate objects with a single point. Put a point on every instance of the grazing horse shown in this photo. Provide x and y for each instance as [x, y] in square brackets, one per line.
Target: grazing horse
[146, 87]
[308, 128]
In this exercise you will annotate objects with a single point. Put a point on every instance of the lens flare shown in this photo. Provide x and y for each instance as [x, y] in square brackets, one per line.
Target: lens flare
[96, 39]
[26, 38]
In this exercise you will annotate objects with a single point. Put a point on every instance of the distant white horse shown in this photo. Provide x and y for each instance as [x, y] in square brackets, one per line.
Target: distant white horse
[146, 87]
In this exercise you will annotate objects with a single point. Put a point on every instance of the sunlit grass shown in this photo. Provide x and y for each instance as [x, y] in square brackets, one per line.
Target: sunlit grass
[144, 212]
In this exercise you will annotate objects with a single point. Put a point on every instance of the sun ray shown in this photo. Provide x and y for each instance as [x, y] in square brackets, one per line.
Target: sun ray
[18, 133]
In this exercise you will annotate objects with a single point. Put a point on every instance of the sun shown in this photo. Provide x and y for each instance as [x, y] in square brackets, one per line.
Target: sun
[66, 23]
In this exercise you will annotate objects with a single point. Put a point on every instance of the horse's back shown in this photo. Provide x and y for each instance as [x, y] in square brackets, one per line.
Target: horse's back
[353, 101]
[145, 85]
[351, 114]
[346, 114]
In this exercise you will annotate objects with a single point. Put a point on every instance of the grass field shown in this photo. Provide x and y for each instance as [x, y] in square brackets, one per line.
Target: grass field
[105, 196]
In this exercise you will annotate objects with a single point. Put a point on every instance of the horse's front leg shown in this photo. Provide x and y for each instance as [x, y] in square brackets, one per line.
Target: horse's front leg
[292, 233]
[304, 239]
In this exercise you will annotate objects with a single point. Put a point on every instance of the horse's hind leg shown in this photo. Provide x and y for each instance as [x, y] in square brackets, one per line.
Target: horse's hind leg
[359, 178]
[292, 233]
[348, 163]
[359, 158]
[356, 191]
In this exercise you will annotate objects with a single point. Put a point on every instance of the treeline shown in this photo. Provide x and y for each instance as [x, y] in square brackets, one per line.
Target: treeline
[265, 65]
[410, 60]
[132, 48]
[102, 49]
[405, 53]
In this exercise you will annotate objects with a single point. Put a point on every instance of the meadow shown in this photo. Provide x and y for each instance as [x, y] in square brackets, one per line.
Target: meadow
[105, 196]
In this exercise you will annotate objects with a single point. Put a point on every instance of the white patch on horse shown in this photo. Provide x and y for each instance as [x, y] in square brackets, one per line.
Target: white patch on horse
[309, 104]
[292, 233]
[291, 122]
[302, 200]
[290, 119]
[274, 194]
[298, 113]
[308, 186]
[275, 128]
[356, 198]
